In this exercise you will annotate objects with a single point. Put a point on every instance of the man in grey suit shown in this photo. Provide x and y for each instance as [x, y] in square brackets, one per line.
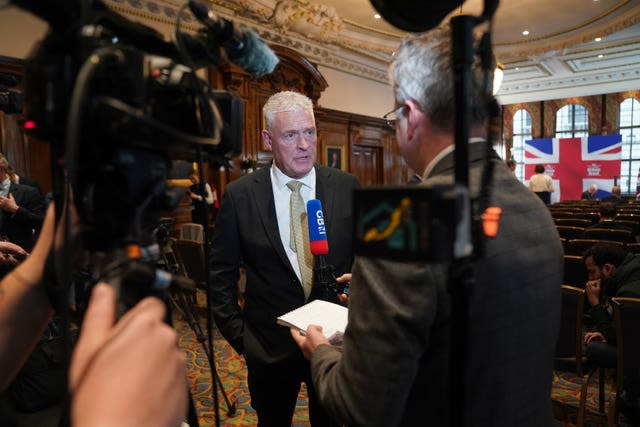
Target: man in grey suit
[253, 230]
[393, 367]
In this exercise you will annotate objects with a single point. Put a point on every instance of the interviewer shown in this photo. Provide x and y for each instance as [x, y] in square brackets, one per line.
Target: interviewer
[393, 367]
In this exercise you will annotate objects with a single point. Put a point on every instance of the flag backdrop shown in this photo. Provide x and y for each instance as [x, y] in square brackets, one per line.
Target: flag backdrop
[575, 163]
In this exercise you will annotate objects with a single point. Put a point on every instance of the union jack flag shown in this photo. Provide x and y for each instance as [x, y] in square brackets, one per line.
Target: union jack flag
[576, 163]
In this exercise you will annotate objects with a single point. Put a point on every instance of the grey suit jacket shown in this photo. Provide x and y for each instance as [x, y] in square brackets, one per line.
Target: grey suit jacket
[247, 232]
[393, 369]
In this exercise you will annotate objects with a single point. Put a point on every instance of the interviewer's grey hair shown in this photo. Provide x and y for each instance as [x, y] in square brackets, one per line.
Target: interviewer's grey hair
[285, 101]
[422, 71]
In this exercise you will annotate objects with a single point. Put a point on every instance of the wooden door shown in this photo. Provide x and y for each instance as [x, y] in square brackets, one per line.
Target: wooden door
[367, 164]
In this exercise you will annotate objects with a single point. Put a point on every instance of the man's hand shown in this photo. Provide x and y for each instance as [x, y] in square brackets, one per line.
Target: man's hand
[593, 336]
[131, 373]
[344, 297]
[8, 204]
[593, 288]
[11, 254]
[308, 342]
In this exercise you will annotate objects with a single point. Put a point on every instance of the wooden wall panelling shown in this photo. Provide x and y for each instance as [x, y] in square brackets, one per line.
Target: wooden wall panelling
[334, 132]
[367, 152]
[373, 154]
[29, 156]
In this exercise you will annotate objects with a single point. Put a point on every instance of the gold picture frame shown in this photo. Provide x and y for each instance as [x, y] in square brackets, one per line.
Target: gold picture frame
[335, 157]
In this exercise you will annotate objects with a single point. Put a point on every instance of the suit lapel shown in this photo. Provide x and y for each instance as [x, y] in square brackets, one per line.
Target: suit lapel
[263, 195]
[325, 192]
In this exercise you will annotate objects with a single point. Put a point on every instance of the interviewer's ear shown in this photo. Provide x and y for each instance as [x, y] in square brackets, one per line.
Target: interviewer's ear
[413, 116]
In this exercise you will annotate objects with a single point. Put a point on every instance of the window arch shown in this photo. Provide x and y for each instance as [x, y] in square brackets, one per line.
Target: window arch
[521, 133]
[572, 121]
[629, 129]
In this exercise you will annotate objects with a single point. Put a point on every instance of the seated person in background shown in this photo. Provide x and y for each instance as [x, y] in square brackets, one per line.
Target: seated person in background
[608, 211]
[591, 193]
[23, 180]
[21, 210]
[612, 273]
[511, 164]
[615, 196]
[541, 184]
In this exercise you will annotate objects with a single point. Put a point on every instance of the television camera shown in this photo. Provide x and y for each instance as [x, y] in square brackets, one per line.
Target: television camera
[118, 103]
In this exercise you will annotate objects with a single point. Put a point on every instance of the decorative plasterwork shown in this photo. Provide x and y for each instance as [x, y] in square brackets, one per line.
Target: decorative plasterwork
[314, 30]
[575, 82]
[329, 40]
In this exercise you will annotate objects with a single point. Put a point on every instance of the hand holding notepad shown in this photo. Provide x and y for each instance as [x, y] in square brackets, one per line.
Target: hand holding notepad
[332, 317]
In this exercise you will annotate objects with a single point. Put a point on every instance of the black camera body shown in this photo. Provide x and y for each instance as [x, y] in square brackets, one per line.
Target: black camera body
[118, 106]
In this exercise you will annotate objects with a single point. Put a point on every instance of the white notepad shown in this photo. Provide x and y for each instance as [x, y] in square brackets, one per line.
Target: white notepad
[332, 317]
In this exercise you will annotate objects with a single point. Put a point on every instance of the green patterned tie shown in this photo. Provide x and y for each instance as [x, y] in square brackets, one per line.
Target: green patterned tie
[299, 242]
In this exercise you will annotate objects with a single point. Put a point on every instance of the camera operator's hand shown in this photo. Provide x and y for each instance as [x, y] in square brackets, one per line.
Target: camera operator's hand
[129, 373]
[11, 254]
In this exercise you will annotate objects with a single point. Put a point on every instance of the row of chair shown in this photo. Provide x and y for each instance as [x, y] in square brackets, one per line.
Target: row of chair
[594, 217]
[579, 246]
[569, 348]
[615, 234]
[633, 224]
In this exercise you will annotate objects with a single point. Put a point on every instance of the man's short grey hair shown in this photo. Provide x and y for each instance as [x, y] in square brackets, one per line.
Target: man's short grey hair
[422, 71]
[285, 101]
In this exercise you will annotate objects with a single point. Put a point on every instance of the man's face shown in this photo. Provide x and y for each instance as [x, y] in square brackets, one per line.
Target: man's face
[293, 141]
[604, 272]
[593, 270]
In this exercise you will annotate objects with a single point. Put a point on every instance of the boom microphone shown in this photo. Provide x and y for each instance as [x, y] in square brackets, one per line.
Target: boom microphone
[243, 46]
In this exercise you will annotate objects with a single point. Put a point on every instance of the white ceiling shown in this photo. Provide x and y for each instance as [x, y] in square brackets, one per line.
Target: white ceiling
[559, 58]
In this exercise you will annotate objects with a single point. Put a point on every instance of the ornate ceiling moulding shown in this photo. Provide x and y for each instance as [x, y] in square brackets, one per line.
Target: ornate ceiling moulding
[611, 77]
[600, 26]
[314, 30]
[160, 11]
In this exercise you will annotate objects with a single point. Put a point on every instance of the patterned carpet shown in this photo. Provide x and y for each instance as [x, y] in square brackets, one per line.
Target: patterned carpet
[233, 375]
[232, 372]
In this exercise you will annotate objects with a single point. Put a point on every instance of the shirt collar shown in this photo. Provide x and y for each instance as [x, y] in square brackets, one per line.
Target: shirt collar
[281, 179]
[442, 154]
[4, 185]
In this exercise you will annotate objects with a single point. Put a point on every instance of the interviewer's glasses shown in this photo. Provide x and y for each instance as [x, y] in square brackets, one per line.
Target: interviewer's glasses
[392, 116]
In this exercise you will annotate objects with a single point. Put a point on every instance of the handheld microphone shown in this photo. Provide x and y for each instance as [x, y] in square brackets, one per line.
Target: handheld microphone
[243, 46]
[323, 273]
[317, 230]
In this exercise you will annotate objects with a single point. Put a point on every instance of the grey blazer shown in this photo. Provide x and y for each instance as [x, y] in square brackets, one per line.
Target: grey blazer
[393, 368]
